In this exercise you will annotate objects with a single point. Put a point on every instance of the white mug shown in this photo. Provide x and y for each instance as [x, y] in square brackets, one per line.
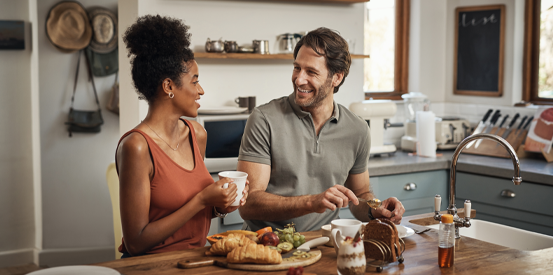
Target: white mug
[239, 179]
[342, 228]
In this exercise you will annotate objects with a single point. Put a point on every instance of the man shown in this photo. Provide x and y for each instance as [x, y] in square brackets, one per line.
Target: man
[306, 155]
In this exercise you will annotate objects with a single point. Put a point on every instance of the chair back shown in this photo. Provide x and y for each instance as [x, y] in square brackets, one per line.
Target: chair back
[113, 186]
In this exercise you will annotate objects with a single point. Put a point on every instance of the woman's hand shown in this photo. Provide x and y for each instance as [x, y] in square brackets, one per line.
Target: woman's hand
[242, 200]
[216, 195]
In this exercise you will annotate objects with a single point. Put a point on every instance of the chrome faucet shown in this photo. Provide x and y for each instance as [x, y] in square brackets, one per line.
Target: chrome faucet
[452, 209]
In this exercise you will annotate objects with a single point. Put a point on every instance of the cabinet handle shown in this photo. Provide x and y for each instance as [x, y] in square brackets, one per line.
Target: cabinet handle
[508, 193]
[411, 186]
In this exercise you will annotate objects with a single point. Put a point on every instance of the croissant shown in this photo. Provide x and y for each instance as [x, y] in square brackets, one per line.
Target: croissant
[226, 245]
[254, 253]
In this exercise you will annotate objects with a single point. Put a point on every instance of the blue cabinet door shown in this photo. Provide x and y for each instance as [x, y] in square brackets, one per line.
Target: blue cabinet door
[529, 208]
[417, 200]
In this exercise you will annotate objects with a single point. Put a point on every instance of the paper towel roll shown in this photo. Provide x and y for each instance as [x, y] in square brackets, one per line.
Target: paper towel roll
[426, 134]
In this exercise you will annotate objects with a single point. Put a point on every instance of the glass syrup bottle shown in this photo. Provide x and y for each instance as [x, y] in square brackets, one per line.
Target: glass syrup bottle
[446, 245]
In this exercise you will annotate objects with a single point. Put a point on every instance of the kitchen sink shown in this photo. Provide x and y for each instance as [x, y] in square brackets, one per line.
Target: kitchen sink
[504, 235]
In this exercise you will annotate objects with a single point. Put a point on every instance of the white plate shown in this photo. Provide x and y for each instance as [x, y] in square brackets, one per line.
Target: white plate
[221, 110]
[404, 232]
[76, 269]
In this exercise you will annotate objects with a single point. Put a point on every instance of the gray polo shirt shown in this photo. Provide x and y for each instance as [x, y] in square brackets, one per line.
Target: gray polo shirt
[283, 136]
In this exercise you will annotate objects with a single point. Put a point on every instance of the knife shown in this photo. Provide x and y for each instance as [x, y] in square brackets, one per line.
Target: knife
[480, 126]
[510, 127]
[501, 124]
[493, 120]
[489, 126]
[520, 125]
[525, 126]
[307, 246]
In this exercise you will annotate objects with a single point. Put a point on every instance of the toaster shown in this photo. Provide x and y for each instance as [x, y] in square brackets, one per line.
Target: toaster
[450, 131]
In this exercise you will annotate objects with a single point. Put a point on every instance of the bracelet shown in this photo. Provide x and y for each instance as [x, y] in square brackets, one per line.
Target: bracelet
[219, 214]
[370, 214]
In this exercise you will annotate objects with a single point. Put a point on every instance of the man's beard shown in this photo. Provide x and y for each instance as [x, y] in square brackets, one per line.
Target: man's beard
[321, 95]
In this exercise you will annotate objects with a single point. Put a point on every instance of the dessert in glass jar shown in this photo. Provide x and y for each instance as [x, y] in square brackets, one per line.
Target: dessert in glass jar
[351, 257]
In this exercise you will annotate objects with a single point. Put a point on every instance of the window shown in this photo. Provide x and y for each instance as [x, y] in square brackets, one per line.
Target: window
[387, 42]
[538, 52]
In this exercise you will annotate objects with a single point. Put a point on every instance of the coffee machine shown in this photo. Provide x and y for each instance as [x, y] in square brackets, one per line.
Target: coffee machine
[377, 114]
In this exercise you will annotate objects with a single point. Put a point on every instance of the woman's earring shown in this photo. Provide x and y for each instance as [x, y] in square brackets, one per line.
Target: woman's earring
[171, 95]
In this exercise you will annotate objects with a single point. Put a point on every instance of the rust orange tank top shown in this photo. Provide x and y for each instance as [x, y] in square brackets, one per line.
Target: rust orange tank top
[172, 187]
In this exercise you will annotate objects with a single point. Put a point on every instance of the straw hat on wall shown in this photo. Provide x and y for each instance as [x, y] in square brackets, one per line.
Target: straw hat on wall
[68, 26]
[104, 28]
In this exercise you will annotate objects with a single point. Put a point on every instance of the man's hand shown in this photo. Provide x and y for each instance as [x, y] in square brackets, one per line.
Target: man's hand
[334, 197]
[391, 208]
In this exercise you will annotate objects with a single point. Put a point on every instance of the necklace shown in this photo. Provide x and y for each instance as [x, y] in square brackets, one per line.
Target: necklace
[162, 138]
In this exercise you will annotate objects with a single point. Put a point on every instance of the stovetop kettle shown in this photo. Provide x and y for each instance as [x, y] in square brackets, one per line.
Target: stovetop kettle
[287, 42]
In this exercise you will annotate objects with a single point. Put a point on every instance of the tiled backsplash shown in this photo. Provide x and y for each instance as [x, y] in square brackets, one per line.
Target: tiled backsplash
[471, 112]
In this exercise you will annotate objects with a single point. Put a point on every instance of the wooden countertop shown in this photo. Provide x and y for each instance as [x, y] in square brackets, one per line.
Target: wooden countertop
[421, 257]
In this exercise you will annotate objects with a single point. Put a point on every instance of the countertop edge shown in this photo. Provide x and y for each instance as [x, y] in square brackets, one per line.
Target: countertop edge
[532, 170]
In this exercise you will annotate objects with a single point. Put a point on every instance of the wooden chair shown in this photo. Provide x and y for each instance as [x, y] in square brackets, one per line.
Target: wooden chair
[113, 186]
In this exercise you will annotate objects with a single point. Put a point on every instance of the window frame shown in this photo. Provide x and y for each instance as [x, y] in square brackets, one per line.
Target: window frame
[532, 53]
[401, 55]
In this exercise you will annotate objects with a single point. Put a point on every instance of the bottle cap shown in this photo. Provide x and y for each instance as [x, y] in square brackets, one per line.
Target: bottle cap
[447, 218]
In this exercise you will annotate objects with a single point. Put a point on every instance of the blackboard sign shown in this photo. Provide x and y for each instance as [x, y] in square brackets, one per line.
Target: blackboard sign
[479, 44]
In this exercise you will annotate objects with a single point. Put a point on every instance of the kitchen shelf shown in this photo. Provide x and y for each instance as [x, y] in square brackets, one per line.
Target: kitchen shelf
[257, 56]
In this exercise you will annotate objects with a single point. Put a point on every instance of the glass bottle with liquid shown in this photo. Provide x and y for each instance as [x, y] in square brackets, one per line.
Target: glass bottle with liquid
[446, 245]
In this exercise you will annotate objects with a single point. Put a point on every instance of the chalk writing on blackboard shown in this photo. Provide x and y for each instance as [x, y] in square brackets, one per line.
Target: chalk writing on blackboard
[479, 43]
[475, 22]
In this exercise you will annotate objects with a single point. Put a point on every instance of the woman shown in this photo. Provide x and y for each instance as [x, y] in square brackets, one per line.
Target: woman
[168, 197]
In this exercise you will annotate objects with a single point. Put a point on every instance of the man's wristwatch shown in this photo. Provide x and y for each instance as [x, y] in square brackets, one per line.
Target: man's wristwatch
[224, 215]
[370, 214]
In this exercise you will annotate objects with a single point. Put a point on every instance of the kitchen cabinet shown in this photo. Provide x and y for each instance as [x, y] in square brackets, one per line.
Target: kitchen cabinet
[257, 56]
[526, 206]
[417, 200]
[416, 191]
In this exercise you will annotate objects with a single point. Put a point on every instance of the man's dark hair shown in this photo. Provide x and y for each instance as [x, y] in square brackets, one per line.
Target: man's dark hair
[332, 46]
[159, 49]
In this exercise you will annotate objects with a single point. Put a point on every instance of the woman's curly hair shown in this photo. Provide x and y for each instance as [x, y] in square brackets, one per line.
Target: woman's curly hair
[159, 49]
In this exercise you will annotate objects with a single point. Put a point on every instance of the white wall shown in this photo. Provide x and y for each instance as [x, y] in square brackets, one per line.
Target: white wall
[76, 208]
[427, 48]
[17, 225]
[244, 21]
[432, 50]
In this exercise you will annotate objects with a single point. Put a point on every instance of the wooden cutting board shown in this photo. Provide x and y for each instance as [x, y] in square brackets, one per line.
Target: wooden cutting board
[222, 262]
